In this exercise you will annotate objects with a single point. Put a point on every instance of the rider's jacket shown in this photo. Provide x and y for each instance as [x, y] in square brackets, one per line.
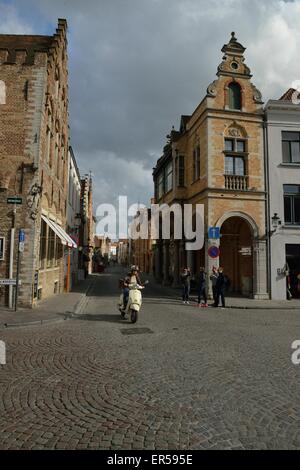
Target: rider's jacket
[132, 279]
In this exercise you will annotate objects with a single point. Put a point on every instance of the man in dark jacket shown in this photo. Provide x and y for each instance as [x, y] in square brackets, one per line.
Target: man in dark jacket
[214, 277]
[186, 284]
[220, 289]
[202, 288]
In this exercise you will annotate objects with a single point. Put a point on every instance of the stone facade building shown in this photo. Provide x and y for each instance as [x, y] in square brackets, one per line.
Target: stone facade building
[283, 165]
[34, 147]
[217, 159]
[73, 220]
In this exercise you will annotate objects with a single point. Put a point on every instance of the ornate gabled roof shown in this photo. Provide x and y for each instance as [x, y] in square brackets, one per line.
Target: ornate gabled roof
[233, 60]
[233, 47]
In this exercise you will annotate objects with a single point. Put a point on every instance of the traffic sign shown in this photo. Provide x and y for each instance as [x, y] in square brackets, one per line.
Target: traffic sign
[14, 200]
[214, 252]
[214, 233]
[21, 247]
[8, 282]
[21, 236]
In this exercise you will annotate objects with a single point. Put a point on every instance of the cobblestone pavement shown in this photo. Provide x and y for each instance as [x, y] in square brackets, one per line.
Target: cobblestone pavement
[199, 379]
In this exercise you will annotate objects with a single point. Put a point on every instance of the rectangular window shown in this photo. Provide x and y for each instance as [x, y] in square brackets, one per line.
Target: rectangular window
[233, 145]
[297, 209]
[2, 248]
[287, 209]
[240, 146]
[234, 166]
[56, 155]
[181, 171]
[196, 163]
[51, 248]
[229, 145]
[239, 166]
[169, 177]
[160, 185]
[43, 242]
[292, 204]
[229, 166]
[291, 147]
[48, 141]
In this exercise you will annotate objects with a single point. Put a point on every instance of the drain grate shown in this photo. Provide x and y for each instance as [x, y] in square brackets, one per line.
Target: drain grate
[137, 331]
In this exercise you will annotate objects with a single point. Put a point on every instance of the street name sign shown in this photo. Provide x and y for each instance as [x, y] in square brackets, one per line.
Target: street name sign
[14, 200]
[8, 282]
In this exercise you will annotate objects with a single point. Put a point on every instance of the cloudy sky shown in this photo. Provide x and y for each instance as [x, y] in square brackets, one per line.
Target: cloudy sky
[137, 65]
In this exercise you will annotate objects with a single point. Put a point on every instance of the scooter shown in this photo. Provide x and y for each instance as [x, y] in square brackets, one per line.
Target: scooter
[134, 302]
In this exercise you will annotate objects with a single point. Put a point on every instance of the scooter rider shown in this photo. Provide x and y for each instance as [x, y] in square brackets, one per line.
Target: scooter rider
[131, 278]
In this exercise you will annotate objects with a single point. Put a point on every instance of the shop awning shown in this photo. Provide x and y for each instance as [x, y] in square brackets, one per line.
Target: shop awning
[60, 232]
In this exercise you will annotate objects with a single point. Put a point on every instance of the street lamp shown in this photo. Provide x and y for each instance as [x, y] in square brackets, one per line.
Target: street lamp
[276, 222]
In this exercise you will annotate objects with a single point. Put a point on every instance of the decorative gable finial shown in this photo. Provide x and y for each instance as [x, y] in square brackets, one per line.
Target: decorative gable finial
[233, 38]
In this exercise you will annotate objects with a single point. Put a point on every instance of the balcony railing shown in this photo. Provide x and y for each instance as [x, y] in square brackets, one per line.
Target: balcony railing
[236, 182]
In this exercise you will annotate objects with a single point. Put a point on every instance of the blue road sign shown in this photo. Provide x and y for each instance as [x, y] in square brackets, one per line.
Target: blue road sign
[214, 233]
[21, 236]
[214, 252]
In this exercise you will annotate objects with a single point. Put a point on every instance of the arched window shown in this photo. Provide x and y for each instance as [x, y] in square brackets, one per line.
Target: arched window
[235, 96]
[2, 92]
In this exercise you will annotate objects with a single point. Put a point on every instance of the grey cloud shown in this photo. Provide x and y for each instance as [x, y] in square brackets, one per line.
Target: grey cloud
[137, 65]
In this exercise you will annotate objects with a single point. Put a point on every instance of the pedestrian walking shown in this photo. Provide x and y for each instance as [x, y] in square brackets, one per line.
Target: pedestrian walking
[220, 288]
[214, 277]
[186, 285]
[202, 289]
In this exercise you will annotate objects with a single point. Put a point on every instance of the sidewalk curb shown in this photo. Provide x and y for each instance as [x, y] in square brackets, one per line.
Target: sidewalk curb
[67, 315]
[264, 308]
[233, 307]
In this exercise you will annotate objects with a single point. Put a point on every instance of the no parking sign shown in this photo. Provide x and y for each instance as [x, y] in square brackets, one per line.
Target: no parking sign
[214, 252]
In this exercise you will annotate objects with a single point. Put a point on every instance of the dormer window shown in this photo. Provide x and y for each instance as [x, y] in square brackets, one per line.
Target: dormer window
[235, 96]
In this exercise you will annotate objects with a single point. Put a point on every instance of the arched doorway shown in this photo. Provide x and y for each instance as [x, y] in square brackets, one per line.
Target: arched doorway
[236, 256]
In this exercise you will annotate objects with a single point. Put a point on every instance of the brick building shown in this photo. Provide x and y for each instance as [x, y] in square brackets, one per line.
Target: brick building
[34, 143]
[217, 159]
[73, 221]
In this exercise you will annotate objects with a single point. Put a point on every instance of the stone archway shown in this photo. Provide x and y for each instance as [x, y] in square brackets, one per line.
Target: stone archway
[238, 232]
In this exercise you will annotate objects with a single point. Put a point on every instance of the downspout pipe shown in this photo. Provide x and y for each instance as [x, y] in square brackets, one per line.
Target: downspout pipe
[267, 202]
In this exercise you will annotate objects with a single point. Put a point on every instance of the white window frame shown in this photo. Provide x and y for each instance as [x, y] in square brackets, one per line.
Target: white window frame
[2, 241]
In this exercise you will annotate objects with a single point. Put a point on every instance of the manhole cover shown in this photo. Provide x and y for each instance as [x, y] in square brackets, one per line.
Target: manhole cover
[136, 331]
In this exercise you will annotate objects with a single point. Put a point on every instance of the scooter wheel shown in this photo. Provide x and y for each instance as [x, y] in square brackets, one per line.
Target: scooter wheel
[134, 316]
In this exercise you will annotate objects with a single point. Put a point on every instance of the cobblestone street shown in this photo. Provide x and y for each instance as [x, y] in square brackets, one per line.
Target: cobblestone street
[187, 378]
